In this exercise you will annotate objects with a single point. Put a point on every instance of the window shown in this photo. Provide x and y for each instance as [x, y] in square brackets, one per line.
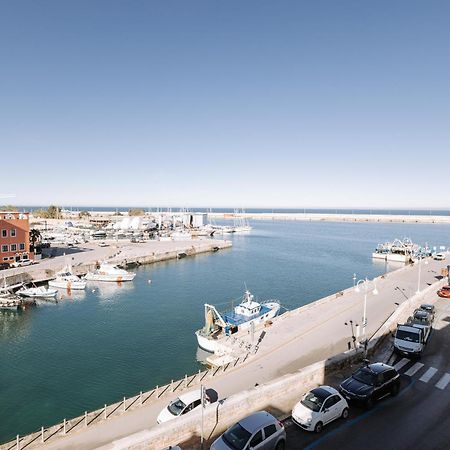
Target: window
[256, 439]
[21, 246]
[4, 248]
[269, 430]
[5, 258]
[13, 247]
[12, 232]
[388, 375]
[4, 233]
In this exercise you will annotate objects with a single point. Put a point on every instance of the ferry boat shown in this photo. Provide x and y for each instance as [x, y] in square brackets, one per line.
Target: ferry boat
[400, 251]
[242, 317]
[109, 272]
[65, 279]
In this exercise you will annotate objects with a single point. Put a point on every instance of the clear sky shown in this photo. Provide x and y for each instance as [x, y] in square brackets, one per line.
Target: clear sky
[225, 103]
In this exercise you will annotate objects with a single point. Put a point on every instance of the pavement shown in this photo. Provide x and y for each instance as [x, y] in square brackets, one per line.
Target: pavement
[418, 417]
[305, 336]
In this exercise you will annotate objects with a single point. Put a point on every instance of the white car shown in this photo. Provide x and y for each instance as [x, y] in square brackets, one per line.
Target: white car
[23, 262]
[439, 256]
[319, 407]
[180, 406]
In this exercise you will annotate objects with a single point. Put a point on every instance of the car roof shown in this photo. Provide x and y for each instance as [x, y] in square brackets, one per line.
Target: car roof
[426, 306]
[189, 397]
[379, 367]
[420, 313]
[323, 392]
[257, 420]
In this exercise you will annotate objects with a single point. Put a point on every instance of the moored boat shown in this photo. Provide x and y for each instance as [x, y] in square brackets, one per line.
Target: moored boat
[65, 279]
[247, 314]
[37, 292]
[109, 272]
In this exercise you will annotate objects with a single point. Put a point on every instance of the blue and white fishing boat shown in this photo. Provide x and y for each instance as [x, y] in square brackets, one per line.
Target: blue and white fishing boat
[248, 312]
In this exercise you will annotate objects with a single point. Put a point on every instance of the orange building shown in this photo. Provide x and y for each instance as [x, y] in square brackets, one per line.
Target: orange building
[14, 237]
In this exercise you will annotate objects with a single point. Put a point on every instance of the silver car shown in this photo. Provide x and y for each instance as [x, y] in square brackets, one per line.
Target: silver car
[259, 431]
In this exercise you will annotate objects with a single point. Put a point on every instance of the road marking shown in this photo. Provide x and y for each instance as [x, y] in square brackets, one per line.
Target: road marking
[401, 363]
[442, 383]
[415, 368]
[428, 375]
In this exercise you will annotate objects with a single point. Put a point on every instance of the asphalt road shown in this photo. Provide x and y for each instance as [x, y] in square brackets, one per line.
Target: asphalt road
[417, 418]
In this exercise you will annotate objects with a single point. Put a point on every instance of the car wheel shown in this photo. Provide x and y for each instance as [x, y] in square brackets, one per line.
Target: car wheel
[280, 446]
[344, 414]
[394, 390]
[319, 427]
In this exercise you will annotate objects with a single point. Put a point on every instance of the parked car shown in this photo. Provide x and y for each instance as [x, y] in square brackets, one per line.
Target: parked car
[422, 319]
[409, 340]
[370, 383]
[22, 262]
[439, 256]
[180, 406]
[318, 407]
[4, 266]
[444, 292]
[429, 309]
[103, 244]
[259, 431]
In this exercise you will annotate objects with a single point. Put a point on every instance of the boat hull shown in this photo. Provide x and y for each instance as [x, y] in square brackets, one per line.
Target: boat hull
[69, 285]
[211, 345]
[110, 278]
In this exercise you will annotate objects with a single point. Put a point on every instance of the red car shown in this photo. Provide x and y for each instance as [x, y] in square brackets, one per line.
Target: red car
[444, 292]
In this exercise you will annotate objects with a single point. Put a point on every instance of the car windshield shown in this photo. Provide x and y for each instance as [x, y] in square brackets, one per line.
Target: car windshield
[407, 336]
[365, 376]
[176, 407]
[312, 401]
[236, 437]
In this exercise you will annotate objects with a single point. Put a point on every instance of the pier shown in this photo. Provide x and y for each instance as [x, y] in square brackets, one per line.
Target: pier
[299, 338]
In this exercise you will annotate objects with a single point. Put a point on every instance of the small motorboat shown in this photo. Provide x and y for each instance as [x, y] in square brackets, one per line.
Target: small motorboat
[65, 279]
[109, 272]
[37, 292]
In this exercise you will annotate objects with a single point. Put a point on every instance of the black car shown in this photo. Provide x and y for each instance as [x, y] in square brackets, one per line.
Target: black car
[429, 309]
[370, 383]
[4, 266]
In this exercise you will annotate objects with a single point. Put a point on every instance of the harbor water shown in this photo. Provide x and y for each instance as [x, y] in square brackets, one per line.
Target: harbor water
[95, 347]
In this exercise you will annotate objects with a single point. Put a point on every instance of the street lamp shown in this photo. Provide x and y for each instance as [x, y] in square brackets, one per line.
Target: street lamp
[364, 319]
[420, 272]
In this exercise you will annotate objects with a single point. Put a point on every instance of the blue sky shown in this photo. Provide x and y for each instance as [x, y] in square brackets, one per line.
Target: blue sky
[225, 103]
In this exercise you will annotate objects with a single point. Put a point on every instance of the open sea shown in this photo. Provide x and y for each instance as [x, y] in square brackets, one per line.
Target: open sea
[58, 360]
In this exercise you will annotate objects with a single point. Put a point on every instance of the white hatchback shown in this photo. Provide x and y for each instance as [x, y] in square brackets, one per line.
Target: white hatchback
[181, 405]
[319, 407]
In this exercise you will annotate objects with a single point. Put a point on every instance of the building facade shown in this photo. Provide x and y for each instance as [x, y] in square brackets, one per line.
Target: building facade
[14, 237]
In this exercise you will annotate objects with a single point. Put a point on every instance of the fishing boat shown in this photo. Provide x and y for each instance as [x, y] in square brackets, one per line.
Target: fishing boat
[37, 292]
[247, 314]
[109, 272]
[65, 279]
[9, 301]
[398, 250]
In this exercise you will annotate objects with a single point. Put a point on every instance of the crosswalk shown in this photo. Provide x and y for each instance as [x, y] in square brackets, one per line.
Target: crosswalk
[411, 368]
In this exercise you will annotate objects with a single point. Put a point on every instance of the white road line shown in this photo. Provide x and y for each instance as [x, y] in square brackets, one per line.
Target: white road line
[415, 368]
[401, 363]
[428, 375]
[442, 383]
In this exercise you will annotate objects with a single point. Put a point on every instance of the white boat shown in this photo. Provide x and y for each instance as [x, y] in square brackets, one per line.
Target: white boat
[247, 314]
[109, 272]
[37, 292]
[9, 301]
[65, 279]
[396, 251]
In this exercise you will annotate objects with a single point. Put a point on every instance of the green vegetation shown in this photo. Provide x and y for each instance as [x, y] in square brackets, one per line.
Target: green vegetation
[136, 212]
[53, 212]
[35, 236]
[84, 214]
[9, 208]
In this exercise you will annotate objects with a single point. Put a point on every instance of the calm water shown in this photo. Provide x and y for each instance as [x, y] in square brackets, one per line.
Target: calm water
[58, 360]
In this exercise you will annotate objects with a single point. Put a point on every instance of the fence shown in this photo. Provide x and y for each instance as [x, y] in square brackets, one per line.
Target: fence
[44, 434]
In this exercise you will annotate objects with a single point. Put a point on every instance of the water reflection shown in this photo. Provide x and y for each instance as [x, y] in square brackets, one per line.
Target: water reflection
[109, 291]
[14, 324]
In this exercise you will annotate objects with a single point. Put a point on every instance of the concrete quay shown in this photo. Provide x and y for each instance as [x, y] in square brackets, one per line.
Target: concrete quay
[308, 335]
[84, 257]
[316, 217]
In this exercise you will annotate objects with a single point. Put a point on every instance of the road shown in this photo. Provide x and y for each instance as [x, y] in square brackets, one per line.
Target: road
[417, 418]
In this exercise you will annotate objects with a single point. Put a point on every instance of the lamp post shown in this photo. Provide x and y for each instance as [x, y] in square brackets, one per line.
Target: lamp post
[364, 318]
[420, 272]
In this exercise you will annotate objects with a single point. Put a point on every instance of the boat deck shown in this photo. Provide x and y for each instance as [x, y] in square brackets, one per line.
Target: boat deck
[238, 319]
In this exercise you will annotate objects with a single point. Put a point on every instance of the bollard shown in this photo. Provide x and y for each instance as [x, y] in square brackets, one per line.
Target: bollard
[156, 390]
[64, 426]
[185, 380]
[105, 412]
[85, 418]
[17, 443]
[171, 385]
[140, 397]
[42, 435]
[124, 406]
